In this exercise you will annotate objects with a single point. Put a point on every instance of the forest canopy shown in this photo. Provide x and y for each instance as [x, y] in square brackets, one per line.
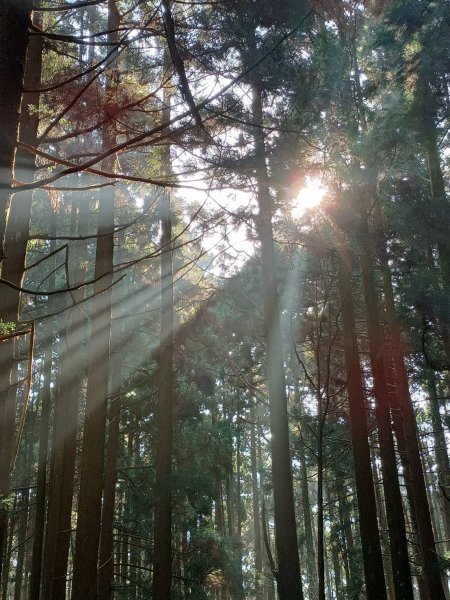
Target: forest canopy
[224, 300]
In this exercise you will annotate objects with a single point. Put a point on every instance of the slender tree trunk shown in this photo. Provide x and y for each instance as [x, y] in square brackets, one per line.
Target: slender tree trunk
[335, 545]
[256, 506]
[106, 569]
[21, 542]
[72, 372]
[162, 554]
[238, 537]
[289, 582]
[437, 182]
[320, 511]
[44, 439]
[441, 455]
[307, 521]
[367, 508]
[45, 578]
[41, 482]
[85, 566]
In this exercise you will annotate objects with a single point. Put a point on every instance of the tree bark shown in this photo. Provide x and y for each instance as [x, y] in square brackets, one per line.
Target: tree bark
[416, 475]
[106, 569]
[162, 554]
[14, 240]
[441, 455]
[256, 506]
[289, 582]
[14, 21]
[370, 539]
[393, 501]
[85, 566]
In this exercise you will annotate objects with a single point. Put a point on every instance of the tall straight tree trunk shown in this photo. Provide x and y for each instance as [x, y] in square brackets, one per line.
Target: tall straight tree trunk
[85, 563]
[320, 500]
[45, 397]
[106, 569]
[162, 553]
[71, 376]
[256, 505]
[14, 240]
[441, 455]
[238, 536]
[367, 508]
[307, 522]
[393, 501]
[289, 582]
[21, 542]
[14, 21]
[335, 544]
[41, 481]
[65, 421]
[430, 145]
[416, 475]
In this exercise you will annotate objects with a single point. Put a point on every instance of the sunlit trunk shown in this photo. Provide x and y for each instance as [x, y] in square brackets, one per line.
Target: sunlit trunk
[289, 582]
[85, 563]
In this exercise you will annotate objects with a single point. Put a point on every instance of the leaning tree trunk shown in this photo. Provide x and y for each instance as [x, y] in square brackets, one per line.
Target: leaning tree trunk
[288, 577]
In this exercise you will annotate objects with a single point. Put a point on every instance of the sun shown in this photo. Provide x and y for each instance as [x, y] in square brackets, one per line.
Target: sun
[310, 196]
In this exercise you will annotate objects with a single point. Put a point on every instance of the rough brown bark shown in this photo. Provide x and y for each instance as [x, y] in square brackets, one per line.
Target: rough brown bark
[370, 539]
[393, 501]
[416, 475]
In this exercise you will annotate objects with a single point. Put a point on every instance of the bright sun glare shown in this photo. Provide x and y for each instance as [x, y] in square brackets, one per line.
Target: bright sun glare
[310, 196]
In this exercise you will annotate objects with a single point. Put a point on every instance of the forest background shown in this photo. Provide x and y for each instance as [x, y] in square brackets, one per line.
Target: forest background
[224, 299]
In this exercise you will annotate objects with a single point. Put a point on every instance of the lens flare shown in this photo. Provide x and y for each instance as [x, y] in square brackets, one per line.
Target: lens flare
[309, 197]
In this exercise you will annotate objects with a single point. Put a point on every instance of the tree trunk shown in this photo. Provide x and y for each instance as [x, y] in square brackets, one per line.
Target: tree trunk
[393, 501]
[256, 506]
[289, 582]
[162, 561]
[72, 374]
[85, 567]
[14, 21]
[441, 455]
[307, 521]
[370, 539]
[15, 239]
[106, 569]
[421, 507]
[21, 542]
